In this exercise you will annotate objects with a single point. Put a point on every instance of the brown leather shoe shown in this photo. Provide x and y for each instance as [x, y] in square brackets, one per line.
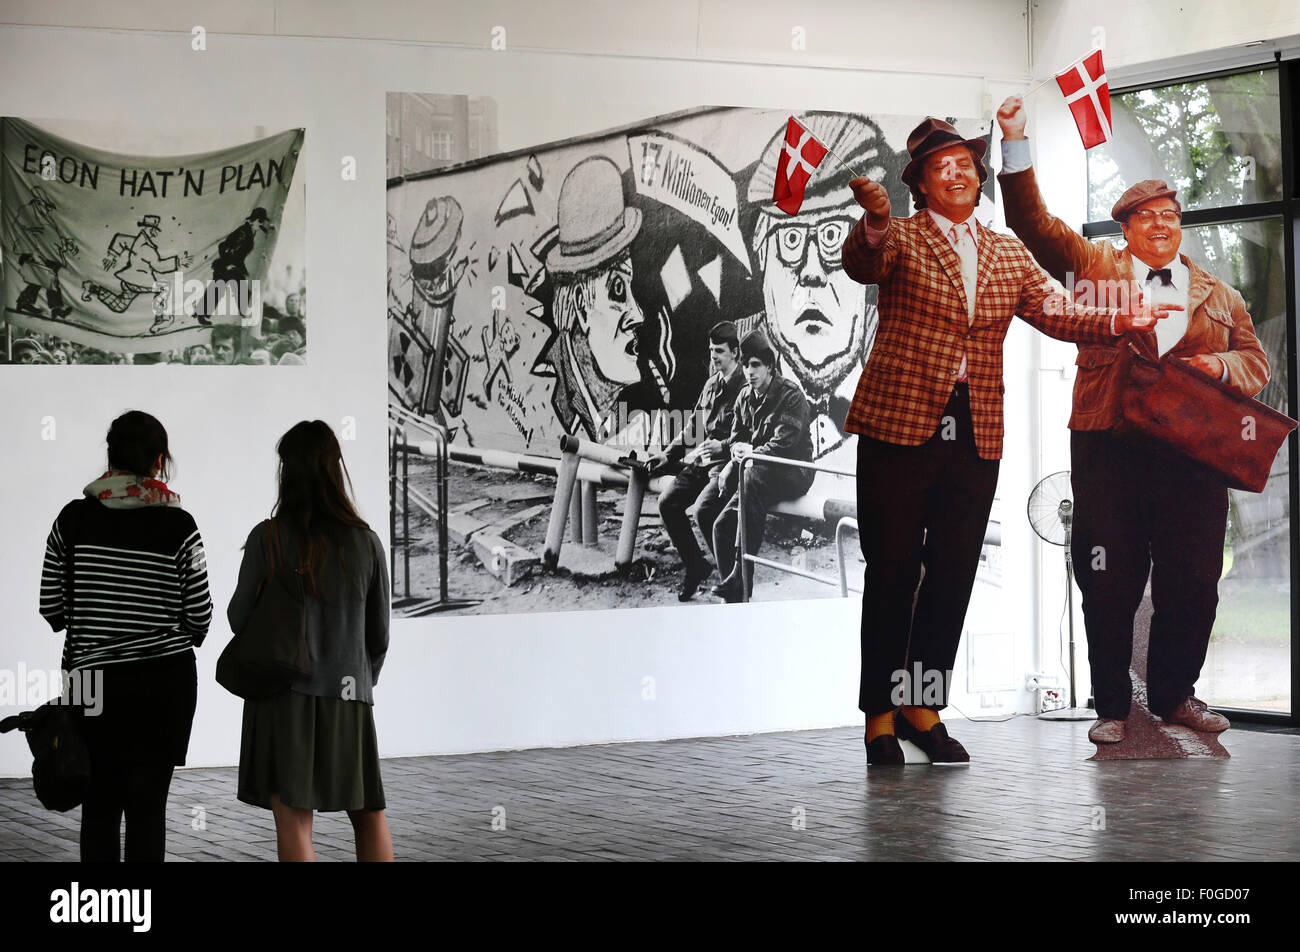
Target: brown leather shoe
[1193, 713]
[884, 750]
[1107, 730]
[935, 743]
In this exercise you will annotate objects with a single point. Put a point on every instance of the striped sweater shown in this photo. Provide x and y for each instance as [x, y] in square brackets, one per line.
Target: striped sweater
[127, 584]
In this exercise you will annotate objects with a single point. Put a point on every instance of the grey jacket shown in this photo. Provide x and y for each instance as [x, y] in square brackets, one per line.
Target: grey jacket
[347, 630]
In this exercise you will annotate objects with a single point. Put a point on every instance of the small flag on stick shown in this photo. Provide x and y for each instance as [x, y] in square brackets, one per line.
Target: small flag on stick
[800, 157]
[1087, 93]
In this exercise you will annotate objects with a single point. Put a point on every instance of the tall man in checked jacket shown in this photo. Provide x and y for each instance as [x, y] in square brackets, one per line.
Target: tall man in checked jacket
[771, 419]
[1171, 525]
[928, 412]
[699, 454]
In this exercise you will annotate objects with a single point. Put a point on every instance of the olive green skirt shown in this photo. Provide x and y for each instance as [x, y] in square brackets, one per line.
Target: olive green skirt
[317, 753]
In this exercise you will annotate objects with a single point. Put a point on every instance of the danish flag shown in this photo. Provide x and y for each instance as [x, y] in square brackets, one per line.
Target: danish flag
[799, 159]
[1088, 95]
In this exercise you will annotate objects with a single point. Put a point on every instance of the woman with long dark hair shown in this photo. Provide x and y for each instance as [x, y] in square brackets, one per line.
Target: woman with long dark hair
[126, 576]
[313, 747]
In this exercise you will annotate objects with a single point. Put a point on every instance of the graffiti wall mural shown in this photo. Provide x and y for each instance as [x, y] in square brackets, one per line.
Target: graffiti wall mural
[569, 289]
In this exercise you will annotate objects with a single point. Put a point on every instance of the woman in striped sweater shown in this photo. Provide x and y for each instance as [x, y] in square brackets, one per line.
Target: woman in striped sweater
[125, 575]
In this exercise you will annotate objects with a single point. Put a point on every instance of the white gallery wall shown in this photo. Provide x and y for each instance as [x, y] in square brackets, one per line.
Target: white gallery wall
[454, 684]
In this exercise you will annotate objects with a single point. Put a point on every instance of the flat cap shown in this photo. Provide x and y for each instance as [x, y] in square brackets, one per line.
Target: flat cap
[1142, 192]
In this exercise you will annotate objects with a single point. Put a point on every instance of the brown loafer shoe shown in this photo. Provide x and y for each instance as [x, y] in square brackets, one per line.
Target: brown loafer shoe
[884, 750]
[935, 743]
[1107, 730]
[1193, 713]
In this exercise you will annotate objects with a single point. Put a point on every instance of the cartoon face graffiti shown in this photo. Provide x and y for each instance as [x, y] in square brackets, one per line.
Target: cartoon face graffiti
[818, 318]
[596, 318]
[815, 311]
[602, 319]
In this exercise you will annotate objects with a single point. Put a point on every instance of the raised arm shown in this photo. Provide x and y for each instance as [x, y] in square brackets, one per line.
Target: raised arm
[870, 250]
[1054, 244]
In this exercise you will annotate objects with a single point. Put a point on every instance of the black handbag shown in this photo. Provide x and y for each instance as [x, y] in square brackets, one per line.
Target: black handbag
[270, 652]
[60, 760]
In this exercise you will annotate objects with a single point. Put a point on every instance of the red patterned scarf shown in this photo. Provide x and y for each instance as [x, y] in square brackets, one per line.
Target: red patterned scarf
[121, 490]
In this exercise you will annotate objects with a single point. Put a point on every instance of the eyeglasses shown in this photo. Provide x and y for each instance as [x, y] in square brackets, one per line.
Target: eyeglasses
[792, 242]
[1167, 217]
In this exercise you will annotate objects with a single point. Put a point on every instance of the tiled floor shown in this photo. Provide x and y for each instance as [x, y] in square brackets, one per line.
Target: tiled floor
[1029, 794]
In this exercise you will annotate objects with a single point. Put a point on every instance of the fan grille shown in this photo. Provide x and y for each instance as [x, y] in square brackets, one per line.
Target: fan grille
[1044, 506]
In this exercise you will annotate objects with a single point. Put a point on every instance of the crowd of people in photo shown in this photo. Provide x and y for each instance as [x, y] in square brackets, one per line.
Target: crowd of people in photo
[280, 339]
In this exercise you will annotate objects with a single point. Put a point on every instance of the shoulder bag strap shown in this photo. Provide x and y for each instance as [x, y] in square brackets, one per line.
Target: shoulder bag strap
[272, 546]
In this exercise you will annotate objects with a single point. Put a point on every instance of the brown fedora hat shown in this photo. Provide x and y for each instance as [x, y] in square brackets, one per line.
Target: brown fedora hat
[934, 135]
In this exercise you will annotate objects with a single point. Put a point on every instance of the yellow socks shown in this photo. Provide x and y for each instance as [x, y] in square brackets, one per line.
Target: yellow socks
[878, 724]
[922, 718]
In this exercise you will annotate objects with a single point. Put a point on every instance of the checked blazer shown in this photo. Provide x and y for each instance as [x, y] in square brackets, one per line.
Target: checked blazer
[923, 330]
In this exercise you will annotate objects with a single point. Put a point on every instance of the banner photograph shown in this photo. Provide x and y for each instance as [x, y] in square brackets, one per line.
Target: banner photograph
[569, 322]
[122, 258]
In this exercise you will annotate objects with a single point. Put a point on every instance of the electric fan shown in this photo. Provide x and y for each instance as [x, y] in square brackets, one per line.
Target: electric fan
[1051, 513]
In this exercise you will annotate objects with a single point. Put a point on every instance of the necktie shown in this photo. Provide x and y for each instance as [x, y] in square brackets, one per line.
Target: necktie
[1163, 275]
[961, 240]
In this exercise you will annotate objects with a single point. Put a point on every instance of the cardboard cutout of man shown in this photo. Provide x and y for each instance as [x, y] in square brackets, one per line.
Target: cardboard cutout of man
[928, 411]
[1170, 521]
[597, 319]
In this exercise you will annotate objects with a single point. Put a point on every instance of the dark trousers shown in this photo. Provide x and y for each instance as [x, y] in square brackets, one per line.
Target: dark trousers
[1139, 512]
[919, 507]
[140, 792]
[708, 507]
[693, 484]
[765, 486]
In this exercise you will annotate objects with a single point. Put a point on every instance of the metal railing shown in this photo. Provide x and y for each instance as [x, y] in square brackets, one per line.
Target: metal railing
[401, 494]
[745, 463]
[846, 522]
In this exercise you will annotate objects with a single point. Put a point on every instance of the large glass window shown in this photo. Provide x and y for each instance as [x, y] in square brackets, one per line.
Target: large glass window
[1220, 142]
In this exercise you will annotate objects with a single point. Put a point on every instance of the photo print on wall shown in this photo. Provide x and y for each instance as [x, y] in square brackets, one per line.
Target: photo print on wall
[555, 367]
[112, 257]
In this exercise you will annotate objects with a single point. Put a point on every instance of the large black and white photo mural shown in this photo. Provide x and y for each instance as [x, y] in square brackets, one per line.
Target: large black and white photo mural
[562, 296]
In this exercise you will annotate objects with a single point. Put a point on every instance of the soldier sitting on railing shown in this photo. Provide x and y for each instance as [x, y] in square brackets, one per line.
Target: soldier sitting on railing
[699, 453]
[771, 419]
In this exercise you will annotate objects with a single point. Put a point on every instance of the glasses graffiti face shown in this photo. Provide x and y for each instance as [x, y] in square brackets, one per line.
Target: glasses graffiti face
[611, 320]
[815, 308]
